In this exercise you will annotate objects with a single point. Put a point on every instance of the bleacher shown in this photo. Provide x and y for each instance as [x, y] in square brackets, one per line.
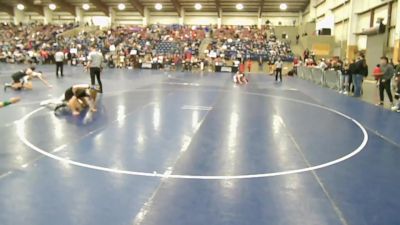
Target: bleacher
[233, 47]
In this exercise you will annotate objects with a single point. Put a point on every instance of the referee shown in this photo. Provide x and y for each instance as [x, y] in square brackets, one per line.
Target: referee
[59, 58]
[95, 66]
[278, 70]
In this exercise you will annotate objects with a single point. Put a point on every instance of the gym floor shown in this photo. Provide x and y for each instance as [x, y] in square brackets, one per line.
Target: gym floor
[195, 149]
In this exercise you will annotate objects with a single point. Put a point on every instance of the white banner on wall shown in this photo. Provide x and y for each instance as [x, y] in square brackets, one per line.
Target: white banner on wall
[101, 21]
[327, 22]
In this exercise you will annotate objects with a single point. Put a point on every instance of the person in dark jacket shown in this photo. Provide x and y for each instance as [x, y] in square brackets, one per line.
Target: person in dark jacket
[360, 72]
[385, 80]
[344, 78]
[351, 72]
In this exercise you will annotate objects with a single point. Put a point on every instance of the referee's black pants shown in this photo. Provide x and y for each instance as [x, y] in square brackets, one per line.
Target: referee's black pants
[385, 85]
[278, 73]
[95, 73]
[60, 67]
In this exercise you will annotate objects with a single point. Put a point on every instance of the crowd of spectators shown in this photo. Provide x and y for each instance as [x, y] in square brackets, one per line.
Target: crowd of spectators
[122, 46]
[158, 45]
[352, 73]
[249, 43]
[29, 41]
[155, 46]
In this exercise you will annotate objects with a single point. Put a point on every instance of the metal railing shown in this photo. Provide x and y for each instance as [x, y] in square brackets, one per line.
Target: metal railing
[328, 78]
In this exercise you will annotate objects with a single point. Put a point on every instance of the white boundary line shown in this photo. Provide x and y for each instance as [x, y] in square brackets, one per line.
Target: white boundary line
[196, 107]
[21, 135]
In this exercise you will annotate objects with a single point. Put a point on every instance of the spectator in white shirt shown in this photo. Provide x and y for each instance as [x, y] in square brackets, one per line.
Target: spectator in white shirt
[322, 65]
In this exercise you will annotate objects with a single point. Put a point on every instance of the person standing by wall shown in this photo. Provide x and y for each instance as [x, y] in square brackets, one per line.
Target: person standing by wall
[95, 66]
[351, 73]
[360, 71]
[278, 70]
[385, 79]
[344, 78]
[59, 58]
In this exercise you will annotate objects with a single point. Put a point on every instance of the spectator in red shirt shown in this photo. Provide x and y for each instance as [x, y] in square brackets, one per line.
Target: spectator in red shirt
[241, 68]
[249, 65]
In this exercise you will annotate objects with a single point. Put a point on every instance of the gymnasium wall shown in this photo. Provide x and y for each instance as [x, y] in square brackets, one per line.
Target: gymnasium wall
[322, 11]
[4, 17]
[290, 31]
[62, 17]
[190, 18]
[309, 14]
[123, 18]
[308, 28]
[306, 17]
[238, 18]
[200, 18]
[34, 17]
[368, 4]
[375, 51]
[281, 19]
[341, 30]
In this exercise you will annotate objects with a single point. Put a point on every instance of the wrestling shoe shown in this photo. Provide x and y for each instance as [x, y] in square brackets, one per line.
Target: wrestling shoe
[62, 105]
[95, 88]
[6, 85]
